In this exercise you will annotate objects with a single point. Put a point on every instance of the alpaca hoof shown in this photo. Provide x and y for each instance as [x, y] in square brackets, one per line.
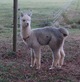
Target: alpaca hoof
[31, 65]
[51, 68]
[59, 67]
[38, 68]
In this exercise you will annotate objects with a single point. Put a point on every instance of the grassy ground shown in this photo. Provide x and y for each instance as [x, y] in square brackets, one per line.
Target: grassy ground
[42, 10]
[18, 69]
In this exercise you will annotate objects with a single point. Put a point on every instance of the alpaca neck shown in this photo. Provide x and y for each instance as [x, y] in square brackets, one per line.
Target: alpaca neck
[26, 31]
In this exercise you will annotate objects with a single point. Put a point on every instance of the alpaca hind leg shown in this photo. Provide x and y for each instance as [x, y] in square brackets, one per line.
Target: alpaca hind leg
[62, 56]
[56, 59]
[52, 62]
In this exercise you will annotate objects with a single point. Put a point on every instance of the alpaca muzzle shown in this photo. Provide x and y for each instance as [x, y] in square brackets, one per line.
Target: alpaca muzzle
[27, 24]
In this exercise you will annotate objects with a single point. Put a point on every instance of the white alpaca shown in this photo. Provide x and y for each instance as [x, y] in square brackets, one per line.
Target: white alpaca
[54, 37]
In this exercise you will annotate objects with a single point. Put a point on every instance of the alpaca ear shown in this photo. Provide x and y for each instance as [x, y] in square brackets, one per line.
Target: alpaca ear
[30, 13]
[22, 14]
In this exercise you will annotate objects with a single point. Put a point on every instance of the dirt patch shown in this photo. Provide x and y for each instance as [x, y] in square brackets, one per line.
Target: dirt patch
[18, 69]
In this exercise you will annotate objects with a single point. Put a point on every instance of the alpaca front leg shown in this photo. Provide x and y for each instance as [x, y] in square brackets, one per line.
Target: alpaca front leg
[32, 57]
[38, 62]
[38, 59]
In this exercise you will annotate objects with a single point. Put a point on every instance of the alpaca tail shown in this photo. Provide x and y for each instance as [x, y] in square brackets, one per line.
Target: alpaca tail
[64, 31]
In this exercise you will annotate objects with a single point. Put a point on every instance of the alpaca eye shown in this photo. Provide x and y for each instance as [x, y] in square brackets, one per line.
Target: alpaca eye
[24, 20]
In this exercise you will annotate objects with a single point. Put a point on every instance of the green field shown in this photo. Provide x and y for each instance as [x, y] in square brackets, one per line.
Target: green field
[42, 10]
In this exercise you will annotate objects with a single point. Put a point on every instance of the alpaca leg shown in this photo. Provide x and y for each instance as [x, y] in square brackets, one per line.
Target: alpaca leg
[52, 62]
[56, 59]
[62, 56]
[32, 58]
[37, 60]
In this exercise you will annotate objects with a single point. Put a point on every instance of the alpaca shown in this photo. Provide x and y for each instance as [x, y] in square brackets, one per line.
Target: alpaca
[35, 38]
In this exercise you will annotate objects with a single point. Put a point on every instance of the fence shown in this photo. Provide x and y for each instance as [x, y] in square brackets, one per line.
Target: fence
[42, 15]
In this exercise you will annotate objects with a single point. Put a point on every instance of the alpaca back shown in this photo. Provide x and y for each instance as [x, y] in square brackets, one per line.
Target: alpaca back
[45, 35]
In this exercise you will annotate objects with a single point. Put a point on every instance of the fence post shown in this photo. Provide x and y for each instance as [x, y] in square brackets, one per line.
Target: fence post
[15, 10]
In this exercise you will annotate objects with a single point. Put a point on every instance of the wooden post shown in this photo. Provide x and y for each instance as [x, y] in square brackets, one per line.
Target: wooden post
[15, 9]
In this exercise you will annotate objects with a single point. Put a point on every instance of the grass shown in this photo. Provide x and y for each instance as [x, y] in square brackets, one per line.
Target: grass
[9, 72]
[42, 13]
[41, 9]
[74, 31]
[6, 34]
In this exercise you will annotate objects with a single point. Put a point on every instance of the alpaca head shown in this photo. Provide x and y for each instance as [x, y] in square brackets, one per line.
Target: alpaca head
[25, 20]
